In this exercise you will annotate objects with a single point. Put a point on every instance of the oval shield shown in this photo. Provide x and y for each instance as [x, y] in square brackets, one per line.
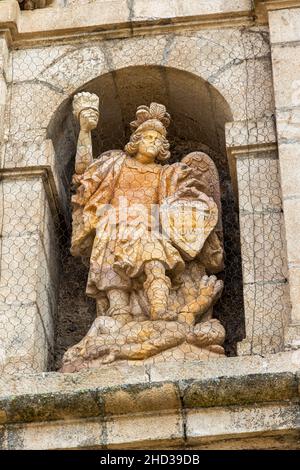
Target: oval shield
[188, 222]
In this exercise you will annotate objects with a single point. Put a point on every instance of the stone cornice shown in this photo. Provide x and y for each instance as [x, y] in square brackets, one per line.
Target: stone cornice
[43, 172]
[158, 406]
[113, 19]
[120, 389]
[9, 18]
[262, 7]
[249, 137]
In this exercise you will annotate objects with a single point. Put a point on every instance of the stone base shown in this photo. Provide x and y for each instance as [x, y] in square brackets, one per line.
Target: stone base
[224, 403]
[110, 340]
[182, 353]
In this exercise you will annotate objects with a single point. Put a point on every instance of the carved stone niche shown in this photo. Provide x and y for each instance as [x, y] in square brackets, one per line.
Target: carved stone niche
[151, 262]
[33, 4]
[76, 311]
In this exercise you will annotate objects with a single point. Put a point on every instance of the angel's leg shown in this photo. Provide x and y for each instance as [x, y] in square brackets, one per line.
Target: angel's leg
[157, 288]
[118, 302]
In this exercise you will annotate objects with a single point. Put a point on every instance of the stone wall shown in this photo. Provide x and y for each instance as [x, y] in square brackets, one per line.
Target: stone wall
[234, 74]
[285, 47]
[224, 71]
[234, 70]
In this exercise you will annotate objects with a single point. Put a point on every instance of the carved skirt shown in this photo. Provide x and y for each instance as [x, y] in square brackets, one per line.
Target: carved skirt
[118, 256]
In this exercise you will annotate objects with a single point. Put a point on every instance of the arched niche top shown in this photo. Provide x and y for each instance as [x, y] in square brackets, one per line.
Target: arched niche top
[198, 111]
[236, 63]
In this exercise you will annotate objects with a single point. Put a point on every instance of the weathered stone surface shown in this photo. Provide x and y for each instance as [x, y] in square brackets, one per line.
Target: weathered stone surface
[162, 429]
[125, 384]
[263, 246]
[289, 167]
[259, 183]
[4, 57]
[32, 63]
[235, 367]
[39, 97]
[145, 8]
[23, 344]
[37, 152]
[54, 406]
[53, 382]
[242, 390]
[250, 132]
[3, 98]
[257, 396]
[28, 280]
[292, 225]
[283, 24]
[267, 307]
[267, 442]
[23, 202]
[119, 13]
[58, 435]
[264, 258]
[292, 335]
[284, 33]
[9, 12]
[286, 79]
[19, 264]
[142, 397]
[240, 420]
[55, 75]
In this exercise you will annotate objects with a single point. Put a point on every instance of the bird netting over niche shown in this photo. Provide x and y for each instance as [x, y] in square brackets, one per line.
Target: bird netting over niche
[126, 246]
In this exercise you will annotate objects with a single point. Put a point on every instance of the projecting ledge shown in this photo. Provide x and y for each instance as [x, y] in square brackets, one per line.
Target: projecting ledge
[117, 18]
[160, 405]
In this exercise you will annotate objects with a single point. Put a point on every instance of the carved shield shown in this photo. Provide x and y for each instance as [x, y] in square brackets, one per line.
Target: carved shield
[207, 175]
[188, 222]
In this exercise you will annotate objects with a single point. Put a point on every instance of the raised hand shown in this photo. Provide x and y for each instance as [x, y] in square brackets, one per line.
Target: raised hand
[88, 119]
[85, 109]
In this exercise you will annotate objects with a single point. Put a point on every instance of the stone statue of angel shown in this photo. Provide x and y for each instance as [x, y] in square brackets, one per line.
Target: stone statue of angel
[151, 233]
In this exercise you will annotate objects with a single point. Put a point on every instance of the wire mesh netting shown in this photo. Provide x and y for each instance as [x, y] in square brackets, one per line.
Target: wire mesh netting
[49, 298]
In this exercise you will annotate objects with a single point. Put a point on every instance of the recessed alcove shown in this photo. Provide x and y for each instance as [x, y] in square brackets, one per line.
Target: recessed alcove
[199, 113]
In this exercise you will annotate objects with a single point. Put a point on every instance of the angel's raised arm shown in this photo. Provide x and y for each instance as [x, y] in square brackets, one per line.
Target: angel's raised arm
[86, 110]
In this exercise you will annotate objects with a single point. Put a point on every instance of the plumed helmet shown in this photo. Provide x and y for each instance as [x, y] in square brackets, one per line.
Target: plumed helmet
[154, 117]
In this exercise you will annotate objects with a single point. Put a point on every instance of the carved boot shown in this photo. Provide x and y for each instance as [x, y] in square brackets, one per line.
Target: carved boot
[157, 287]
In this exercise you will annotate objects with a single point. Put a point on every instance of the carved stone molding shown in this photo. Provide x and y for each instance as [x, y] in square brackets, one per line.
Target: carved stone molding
[262, 7]
[249, 136]
[116, 20]
[256, 397]
[43, 172]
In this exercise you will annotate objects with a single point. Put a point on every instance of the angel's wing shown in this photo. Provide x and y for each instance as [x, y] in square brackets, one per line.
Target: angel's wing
[208, 175]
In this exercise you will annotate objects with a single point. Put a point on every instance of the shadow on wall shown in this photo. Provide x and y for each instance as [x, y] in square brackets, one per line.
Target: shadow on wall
[199, 114]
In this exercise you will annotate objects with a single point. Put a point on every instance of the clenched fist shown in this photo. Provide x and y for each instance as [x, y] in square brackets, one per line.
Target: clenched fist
[86, 110]
[88, 119]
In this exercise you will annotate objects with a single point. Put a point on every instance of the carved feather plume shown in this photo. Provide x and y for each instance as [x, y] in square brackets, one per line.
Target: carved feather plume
[154, 111]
